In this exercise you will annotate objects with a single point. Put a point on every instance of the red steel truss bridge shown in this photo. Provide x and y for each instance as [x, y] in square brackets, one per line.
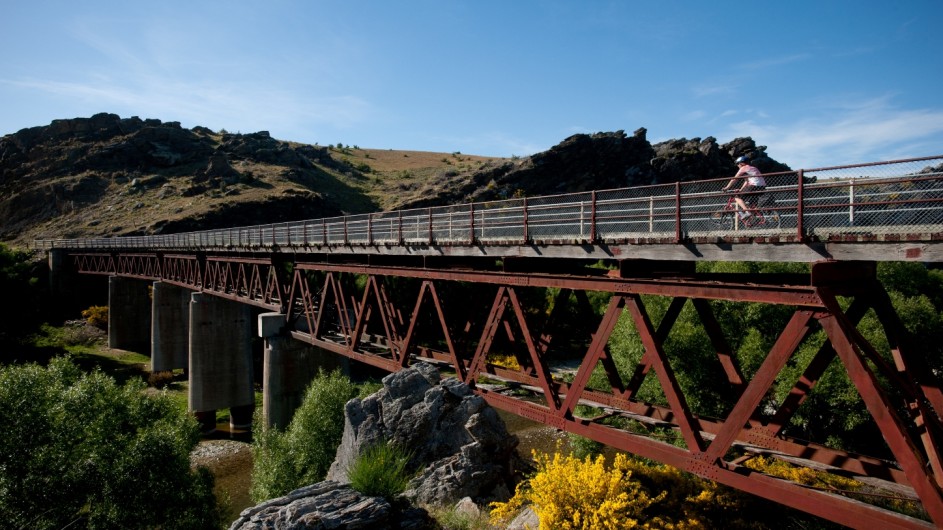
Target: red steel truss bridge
[489, 291]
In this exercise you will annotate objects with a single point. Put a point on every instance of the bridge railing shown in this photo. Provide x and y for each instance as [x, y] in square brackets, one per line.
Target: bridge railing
[879, 199]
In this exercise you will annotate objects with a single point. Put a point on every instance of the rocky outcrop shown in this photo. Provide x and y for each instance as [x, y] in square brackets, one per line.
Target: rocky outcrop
[608, 160]
[457, 442]
[330, 505]
[79, 167]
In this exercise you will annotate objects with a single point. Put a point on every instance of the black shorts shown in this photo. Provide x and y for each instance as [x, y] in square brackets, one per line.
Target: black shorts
[751, 194]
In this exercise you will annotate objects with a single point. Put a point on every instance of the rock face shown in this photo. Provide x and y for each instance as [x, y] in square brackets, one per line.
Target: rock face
[458, 442]
[329, 505]
[608, 160]
[80, 165]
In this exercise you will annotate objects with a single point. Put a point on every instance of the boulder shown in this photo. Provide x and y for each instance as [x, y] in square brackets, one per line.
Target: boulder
[458, 443]
[329, 505]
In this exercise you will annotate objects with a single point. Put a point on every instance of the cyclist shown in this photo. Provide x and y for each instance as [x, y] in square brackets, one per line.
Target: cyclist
[753, 181]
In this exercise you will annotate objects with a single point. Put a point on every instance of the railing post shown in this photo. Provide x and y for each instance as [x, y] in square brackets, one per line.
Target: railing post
[677, 212]
[430, 227]
[304, 233]
[471, 224]
[345, 231]
[582, 219]
[851, 202]
[369, 229]
[399, 227]
[592, 219]
[526, 228]
[651, 214]
[324, 231]
[800, 229]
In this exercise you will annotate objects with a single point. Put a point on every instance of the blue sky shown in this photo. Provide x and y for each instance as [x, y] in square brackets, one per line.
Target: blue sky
[817, 82]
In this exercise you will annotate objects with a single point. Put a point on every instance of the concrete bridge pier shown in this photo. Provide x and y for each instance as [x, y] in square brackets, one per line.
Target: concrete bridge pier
[129, 315]
[170, 327]
[220, 365]
[289, 366]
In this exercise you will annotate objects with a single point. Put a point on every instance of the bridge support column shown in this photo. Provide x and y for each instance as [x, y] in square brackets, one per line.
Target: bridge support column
[61, 275]
[129, 315]
[170, 327]
[289, 367]
[220, 361]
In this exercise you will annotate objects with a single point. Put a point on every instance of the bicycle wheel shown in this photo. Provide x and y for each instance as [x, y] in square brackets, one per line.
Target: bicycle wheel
[722, 220]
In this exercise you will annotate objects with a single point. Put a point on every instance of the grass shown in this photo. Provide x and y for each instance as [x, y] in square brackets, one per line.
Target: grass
[380, 471]
[451, 519]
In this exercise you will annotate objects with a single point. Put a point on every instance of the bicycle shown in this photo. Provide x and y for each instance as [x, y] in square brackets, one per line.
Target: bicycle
[731, 217]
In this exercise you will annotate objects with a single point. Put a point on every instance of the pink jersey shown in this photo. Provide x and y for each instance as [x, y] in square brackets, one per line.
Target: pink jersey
[753, 175]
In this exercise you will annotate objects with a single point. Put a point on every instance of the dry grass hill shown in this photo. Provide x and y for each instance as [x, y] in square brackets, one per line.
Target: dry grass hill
[112, 176]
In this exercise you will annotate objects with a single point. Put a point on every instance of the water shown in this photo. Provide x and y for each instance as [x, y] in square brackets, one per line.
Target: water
[228, 455]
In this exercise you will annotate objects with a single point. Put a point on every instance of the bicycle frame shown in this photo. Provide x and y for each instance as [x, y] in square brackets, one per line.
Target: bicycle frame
[732, 216]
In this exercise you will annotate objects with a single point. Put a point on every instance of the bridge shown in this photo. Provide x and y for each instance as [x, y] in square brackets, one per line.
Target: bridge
[488, 291]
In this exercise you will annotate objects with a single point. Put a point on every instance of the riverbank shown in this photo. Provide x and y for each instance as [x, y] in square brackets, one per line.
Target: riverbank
[230, 462]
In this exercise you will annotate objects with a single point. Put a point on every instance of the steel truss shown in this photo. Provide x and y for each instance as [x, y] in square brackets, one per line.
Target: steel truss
[351, 309]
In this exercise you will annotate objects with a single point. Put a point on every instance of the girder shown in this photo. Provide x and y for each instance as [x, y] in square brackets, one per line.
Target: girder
[505, 342]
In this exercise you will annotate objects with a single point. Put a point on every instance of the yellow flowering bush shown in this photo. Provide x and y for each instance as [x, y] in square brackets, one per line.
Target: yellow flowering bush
[567, 492]
[824, 480]
[802, 475]
[504, 360]
[96, 315]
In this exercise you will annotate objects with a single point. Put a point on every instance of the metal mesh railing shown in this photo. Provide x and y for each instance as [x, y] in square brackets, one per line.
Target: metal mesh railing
[876, 199]
[899, 197]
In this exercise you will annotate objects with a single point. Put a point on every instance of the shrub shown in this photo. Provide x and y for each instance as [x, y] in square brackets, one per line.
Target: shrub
[802, 475]
[567, 492]
[96, 315]
[80, 451]
[380, 471]
[302, 453]
[160, 379]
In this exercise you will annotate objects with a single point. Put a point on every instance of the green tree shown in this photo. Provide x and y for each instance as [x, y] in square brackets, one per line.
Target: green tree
[301, 454]
[80, 451]
[751, 329]
[19, 280]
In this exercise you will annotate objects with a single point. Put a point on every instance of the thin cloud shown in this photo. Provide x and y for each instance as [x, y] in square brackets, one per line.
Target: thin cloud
[775, 61]
[234, 107]
[702, 91]
[849, 135]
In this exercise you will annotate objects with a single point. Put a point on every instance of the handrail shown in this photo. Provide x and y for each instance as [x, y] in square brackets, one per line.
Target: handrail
[882, 198]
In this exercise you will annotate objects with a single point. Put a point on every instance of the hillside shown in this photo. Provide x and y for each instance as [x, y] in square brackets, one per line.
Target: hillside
[112, 176]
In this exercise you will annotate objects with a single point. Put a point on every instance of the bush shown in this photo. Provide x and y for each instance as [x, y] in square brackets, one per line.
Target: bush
[160, 379]
[80, 451]
[567, 492]
[301, 455]
[380, 471]
[96, 315]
